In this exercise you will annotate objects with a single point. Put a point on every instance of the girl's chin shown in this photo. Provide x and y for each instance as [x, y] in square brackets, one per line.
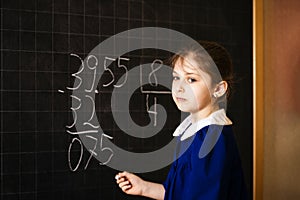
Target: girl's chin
[183, 109]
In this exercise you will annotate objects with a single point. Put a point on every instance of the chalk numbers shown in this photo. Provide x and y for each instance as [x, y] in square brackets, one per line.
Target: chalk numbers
[153, 81]
[121, 66]
[90, 65]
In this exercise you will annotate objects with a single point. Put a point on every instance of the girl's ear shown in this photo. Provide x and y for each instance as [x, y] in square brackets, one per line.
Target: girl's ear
[220, 89]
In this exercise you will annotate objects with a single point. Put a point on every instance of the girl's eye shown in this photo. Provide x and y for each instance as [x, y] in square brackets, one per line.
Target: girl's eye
[191, 80]
[175, 78]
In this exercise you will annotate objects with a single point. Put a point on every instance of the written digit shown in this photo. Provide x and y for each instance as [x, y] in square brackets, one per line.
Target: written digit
[93, 113]
[106, 148]
[92, 151]
[152, 73]
[126, 71]
[74, 111]
[69, 154]
[109, 70]
[94, 68]
[150, 111]
[76, 74]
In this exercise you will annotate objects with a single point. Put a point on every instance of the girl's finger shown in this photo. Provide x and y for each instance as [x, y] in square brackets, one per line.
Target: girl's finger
[125, 188]
[120, 180]
[121, 185]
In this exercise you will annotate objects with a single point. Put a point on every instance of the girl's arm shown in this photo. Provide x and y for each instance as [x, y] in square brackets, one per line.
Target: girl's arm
[134, 185]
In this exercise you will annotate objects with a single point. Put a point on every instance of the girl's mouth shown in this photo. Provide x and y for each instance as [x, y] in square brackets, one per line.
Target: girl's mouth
[179, 99]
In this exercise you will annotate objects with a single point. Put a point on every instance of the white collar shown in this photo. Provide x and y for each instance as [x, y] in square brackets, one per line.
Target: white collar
[187, 129]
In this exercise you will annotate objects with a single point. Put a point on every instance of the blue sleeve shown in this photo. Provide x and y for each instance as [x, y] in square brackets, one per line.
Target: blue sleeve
[168, 180]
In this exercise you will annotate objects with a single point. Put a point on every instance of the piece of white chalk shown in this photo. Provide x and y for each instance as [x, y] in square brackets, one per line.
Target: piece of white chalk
[117, 177]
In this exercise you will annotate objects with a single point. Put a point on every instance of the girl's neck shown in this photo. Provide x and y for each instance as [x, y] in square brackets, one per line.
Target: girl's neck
[204, 113]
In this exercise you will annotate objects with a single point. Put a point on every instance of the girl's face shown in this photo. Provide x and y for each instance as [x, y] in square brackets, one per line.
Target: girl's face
[191, 89]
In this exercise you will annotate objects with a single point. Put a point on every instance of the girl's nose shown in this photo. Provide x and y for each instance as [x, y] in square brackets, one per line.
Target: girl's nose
[180, 88]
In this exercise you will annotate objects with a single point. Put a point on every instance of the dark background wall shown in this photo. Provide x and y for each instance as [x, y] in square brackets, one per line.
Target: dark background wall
[37, 38]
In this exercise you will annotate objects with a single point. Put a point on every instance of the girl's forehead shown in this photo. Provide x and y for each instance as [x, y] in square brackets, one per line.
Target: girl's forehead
[187, 65]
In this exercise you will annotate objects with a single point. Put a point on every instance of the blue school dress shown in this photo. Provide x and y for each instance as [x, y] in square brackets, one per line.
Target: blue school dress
[208, 173]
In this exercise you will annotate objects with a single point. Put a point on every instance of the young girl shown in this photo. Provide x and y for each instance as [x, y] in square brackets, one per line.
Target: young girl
[203, 170]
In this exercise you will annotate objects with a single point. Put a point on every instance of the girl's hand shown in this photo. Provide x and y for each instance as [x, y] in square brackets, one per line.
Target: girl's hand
[130, 183]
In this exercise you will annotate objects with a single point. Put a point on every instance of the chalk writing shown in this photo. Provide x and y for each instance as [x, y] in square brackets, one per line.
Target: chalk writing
[90, 65]
[69, 154]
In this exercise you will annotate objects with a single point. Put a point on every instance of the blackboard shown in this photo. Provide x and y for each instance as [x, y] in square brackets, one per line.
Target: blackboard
[42, 42]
